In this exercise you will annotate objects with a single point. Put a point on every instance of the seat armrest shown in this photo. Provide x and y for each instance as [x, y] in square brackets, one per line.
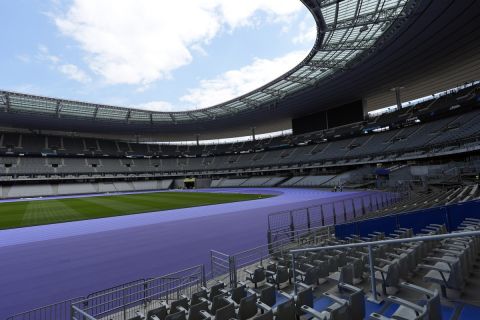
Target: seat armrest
[417, 289]
[250, 272]
[378, 316]
[269, 273]
[405, 303]
[314, 313]
[335, 298]
[251, 291]
[263, 306]
[349, 287]
[205, 314]
[286, 295]
[230, 300]
[300, 272]
[303, 285]
[429, 267]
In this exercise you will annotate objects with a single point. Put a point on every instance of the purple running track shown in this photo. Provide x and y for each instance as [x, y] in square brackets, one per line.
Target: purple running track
[45, 264]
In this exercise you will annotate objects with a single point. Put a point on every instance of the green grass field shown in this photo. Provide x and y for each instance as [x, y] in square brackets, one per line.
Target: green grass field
[29, 213]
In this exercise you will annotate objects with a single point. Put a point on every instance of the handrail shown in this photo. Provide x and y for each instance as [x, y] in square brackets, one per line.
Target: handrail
[392, 241]
[83, 313]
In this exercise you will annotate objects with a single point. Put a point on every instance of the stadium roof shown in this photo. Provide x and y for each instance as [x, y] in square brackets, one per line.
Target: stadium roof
[348, 31]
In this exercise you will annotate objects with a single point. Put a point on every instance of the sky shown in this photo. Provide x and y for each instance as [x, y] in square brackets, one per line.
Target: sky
[150, 54]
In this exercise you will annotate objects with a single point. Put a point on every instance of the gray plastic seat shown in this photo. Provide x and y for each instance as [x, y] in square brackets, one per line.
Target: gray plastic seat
[285, 310]
[268, 295]
[195, 310]
[160, 313]
[258, 275]
[247, 307]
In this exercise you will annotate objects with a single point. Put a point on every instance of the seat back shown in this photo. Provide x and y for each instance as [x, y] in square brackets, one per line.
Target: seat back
[160, 313]
[183, 302]
[311, 276]
[218, 303]
[176, 316]
[266, 316]
[238, 293]
[216, 290]
[286, 310]
[225, 313]
[258, 275]
[282, 275]
[268, 295]
[194, 312]
[346, 274]
[198, 296]
[356, 305]
[248, 307]
[304, 298]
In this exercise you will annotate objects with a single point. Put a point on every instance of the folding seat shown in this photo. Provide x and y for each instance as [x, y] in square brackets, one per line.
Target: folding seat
[304, 297]
[258, 275]
[279, 277]
[388, 274]
[195, 310]
[446, 272]
[215, 290]
[160, 313]
[308, 274]
[218, 302]
[268, 295]
[238, 293]
[430, 309]
[284, 311]
[226, 312]
[323, 270]
[179, 305]
[336, 311]
[199, 296]
[247, 307]
[344, 275]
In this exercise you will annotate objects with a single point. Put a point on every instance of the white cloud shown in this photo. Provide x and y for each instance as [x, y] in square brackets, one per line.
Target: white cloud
[141, 41]
[45, 55]
[25, 58]
[74, 73]
[307, 31]
[234, 83]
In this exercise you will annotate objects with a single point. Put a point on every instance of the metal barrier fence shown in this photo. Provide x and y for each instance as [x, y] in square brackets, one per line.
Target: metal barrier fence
[118, 303]
[57, 311]
[282, 225]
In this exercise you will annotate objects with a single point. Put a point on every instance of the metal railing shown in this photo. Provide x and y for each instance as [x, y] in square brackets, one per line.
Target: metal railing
[116, 303]
[233, 265]
[372, 244]
[57, 311]
[283, 224]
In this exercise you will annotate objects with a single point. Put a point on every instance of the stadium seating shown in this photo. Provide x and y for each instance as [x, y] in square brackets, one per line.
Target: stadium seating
[408, 288]
[437, 128]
